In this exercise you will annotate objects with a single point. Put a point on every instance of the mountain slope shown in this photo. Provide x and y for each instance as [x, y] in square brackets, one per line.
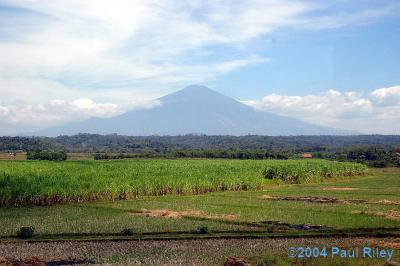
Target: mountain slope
[195, 109]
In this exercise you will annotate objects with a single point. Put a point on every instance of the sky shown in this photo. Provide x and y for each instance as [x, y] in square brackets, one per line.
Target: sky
[332, 63]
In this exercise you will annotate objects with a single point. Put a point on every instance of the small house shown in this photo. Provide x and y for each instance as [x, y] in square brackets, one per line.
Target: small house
[307, 155]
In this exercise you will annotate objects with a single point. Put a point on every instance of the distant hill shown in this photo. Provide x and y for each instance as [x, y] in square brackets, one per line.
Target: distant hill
[166, 144]
[199, 110]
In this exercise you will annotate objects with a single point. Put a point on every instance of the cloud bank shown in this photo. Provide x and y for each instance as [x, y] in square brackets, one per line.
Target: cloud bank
[55, 112]
[377, 112]
[58, 112]
[99, 56]
[68, 46]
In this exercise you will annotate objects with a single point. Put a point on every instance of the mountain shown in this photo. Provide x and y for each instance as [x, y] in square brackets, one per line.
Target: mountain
[194, 109]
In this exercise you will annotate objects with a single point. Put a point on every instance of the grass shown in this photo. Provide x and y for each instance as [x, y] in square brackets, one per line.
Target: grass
[21, 156]
[47, 183]
[248, 207]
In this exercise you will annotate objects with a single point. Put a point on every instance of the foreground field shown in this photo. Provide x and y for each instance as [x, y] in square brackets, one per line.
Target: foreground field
[164, 230]
[194, 252]
[162, 227]
[359, 202]
[46, 183]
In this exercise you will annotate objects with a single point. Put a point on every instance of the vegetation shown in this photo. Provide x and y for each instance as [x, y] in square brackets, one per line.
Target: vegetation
[373, 150]
[375, 157]
[252, 199]
[369, 155]
[370, 207]
[127, 232]
[222, 154]
[25, 232]
[166, 144]
[44, 183]
[303, 171]
[378, 195]
[46, 155]
[203, 230]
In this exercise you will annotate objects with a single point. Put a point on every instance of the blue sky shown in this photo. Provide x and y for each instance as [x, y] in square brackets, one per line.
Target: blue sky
[359, 58]
[333, 63]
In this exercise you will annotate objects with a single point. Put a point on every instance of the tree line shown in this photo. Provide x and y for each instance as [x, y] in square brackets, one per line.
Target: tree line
[164, 144]
[370, 156]
[374, 150]
[223, 154]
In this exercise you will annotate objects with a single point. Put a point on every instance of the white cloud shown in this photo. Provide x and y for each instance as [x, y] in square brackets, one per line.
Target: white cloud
[94, 43]
[134, 50]
[22, 117]
[387, 96]
[377, 112]
[145, 104]
[55, 112]
[344, 18]
[131, 43]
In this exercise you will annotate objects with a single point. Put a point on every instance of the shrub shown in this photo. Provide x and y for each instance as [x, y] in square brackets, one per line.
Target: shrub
[98, 156]
[378, 164]
[46, 155]
[127, 232]
[25, 232]
[203, 230]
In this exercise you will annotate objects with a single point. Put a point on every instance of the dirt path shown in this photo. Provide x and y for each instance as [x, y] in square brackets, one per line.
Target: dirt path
[173, 252]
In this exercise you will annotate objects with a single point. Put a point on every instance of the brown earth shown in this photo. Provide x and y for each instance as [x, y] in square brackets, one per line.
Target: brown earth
[390, 214]
[179, 214]
[312, 199]
[387, 202]
[302, 227]
[38, 261]
[174, 252]
[232, 261]
[392, 244]
[339, 188]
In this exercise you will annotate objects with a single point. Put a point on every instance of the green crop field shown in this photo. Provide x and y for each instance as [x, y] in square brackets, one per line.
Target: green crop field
[366, 208]
[149, 204]
[46, 183]
[372, 202]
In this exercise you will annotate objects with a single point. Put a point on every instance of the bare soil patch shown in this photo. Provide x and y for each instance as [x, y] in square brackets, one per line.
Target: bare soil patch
[390, 214]
[187, 213]
[38, 261]
[232, 261]
[305, 227]
[394, 244]
[387, 202]
[391, 169]
[312, 199]
[173, 252]
[340, 188]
